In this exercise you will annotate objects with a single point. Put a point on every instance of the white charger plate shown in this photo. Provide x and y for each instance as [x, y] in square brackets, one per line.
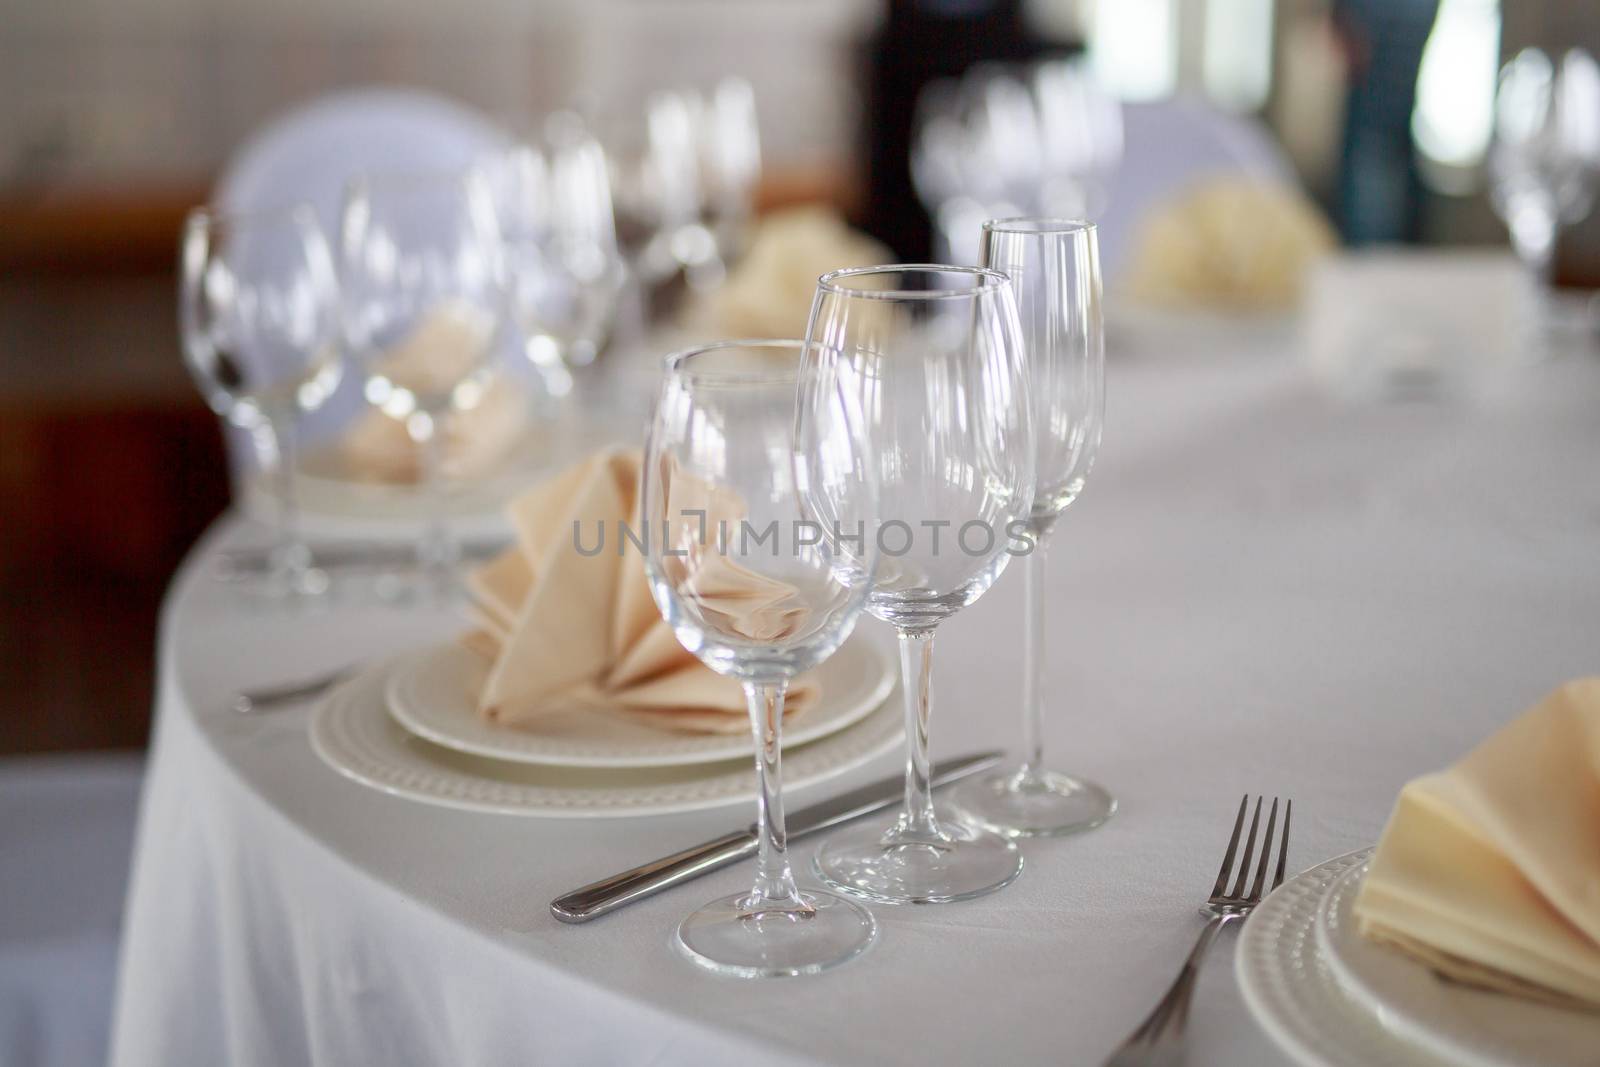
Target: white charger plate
[353, 732]
[1330, 999]
[434, 696]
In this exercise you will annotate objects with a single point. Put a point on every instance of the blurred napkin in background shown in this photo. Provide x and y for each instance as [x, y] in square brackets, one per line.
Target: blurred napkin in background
[444, 349]
[1393, 322]
[769, 293]
[1489, 872]
[566, 628]
[1231, 245]
[378, 448]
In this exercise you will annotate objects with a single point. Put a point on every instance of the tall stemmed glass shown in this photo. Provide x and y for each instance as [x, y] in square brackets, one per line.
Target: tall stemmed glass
[754, 467]
[422, 275]
[1055, 266]
[936, 354]
[258, 311]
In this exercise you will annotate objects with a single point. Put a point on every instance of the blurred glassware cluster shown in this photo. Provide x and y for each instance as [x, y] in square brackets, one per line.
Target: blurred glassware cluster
[436, 290]
[1003, 141]
[684, 174]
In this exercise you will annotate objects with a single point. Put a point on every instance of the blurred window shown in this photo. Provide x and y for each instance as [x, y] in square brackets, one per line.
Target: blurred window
[1237, 64]
[1133, 47]
[1454, 113]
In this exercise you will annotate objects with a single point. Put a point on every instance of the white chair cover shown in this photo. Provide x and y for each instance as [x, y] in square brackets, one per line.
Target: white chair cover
[309, 155]
[1169, 146]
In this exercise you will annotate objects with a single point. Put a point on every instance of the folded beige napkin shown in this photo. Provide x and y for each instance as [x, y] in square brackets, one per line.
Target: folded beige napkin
[768, 294]
[1229, 244]
[443, 349]
[566, 628]
[1489, 872]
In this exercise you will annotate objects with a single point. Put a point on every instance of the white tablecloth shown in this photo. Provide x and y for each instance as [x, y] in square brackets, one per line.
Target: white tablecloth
[1261, 590]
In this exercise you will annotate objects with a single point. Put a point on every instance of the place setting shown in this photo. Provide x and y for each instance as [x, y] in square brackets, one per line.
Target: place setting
[660, 612]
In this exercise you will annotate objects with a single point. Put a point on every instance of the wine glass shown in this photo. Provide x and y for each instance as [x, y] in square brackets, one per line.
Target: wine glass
[258, 312]
[422, 276]
[565, 274]
[1055, 266]
[1544, 161]
[730, 162]
[936, 354]
[749, 447]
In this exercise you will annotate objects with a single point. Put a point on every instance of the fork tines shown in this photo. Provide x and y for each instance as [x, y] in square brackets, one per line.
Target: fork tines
[1220, 893]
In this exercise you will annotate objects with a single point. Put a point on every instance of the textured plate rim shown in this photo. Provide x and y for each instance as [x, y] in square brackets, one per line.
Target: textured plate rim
[1261, 1000]
[882, 686]
[347, 694]
[1449, 1037]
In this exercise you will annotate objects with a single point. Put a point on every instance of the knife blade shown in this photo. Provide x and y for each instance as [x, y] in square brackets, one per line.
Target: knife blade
[609, 894]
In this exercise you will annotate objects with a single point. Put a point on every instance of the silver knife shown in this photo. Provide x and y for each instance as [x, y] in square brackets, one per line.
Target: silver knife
[234, 564]
[609, 894]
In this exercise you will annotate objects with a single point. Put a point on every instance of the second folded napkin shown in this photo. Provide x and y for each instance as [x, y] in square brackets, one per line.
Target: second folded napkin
[567, 618]
[1489, 872]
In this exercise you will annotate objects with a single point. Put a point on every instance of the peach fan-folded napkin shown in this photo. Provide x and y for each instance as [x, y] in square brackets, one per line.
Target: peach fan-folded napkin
[1489, 872]
[566, 625]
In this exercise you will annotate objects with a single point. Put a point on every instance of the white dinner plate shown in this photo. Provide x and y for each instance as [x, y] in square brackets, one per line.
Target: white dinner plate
[1457, 1023]
[353, 732]
[434, 695]
[1331, 999]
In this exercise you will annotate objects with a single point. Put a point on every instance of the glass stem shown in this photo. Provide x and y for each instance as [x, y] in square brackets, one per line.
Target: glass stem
[916, 677]
[436, 551]
[1033, 662]
[774, 880]
[291, 559]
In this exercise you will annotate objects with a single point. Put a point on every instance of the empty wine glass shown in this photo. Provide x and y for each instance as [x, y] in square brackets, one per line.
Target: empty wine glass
[1544, 161]
[565, 274]
[936, 354]
[1055, 266]
[423, 307]
[258, 312]
[749, 447]
[730, 162]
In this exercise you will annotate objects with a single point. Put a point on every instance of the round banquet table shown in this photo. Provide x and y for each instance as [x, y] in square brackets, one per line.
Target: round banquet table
[1263, 590]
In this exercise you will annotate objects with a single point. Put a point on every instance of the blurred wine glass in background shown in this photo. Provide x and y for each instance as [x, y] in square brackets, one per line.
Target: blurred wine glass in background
[424, 303]
[1544, 160]
[564, 271]
[1003, 141]
[683, 176]
[258, 311]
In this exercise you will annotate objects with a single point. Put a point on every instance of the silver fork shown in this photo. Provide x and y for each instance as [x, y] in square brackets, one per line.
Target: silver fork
[1159, 1039]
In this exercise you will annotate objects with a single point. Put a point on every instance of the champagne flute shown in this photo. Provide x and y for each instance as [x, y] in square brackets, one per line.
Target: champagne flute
[1055, 266]
[258, 313]
[749, 447]
[423, 305]
[936, 354]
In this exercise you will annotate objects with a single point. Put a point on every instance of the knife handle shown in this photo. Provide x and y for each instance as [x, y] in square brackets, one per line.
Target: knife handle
[592, 901]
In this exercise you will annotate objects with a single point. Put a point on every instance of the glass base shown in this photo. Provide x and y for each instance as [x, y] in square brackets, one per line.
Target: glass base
[1036, 804]
[728, 937]
[890, 866]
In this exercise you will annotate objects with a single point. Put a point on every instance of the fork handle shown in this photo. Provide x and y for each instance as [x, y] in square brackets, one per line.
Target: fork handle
[1159, 1039]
